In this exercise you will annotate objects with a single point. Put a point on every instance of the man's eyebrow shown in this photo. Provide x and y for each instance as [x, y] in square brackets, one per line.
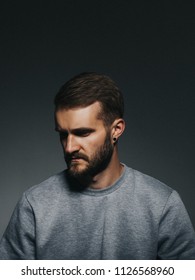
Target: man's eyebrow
[81, 129]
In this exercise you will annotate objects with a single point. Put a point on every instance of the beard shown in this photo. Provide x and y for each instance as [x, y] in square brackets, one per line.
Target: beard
[95, 164]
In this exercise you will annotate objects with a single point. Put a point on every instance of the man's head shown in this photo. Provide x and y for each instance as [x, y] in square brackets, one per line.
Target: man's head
[88, 88]
[88, 113]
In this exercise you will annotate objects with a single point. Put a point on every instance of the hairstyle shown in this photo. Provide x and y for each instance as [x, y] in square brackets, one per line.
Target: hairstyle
[88, 88]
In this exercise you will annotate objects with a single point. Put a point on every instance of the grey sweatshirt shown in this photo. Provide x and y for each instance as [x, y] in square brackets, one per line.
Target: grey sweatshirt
[137, 217]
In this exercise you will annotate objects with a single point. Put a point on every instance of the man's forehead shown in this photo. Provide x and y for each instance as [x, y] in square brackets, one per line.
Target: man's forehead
[79, 115]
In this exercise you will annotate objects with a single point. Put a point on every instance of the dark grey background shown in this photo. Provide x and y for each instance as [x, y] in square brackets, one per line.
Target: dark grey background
[147, 47]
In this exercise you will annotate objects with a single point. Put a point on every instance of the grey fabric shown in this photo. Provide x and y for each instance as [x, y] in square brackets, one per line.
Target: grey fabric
[136, 218]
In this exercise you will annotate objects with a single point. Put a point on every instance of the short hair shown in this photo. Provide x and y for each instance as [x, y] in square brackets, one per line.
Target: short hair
[87, 88]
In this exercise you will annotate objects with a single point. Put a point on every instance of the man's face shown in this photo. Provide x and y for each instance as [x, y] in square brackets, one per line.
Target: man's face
[85, 140]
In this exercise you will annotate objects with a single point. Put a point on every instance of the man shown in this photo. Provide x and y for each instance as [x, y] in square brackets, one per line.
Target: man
[98, 208]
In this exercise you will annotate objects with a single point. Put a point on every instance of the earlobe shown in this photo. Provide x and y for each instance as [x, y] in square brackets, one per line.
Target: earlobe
[118, 128]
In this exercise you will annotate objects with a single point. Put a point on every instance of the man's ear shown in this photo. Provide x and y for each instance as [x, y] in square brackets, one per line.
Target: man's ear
[118, 127]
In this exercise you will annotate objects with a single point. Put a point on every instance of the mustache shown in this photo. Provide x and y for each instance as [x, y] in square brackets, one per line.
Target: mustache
[75, 155]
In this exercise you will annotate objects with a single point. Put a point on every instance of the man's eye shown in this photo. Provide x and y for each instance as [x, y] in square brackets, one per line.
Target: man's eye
[83, 133]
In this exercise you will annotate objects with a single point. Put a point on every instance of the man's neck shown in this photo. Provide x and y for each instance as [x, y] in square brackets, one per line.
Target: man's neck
[108, 176]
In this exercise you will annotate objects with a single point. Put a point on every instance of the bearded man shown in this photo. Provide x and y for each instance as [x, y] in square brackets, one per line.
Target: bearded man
[98, 208]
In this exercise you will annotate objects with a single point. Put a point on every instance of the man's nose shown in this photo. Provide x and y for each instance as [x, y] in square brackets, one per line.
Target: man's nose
[71, 144]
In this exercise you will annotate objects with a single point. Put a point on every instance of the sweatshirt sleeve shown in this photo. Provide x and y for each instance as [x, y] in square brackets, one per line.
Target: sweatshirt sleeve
[176, 233]
[18, 241]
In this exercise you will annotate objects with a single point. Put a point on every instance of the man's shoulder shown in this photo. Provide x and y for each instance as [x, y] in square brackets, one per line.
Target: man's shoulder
[149, 186]
[150, 194]
[52, 186]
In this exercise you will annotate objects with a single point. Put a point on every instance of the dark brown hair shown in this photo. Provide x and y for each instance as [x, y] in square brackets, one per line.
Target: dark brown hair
[87, 88]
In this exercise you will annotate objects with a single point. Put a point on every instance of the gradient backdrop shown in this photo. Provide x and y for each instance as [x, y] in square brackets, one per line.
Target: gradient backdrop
[147, 47]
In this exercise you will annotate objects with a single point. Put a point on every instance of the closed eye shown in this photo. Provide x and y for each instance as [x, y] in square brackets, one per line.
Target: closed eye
[83, 132]
[80, 132]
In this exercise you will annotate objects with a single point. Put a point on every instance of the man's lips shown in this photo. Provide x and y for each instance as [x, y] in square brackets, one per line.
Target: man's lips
[76, 159]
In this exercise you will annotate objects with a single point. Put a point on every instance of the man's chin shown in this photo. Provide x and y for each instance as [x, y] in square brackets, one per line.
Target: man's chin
[78, 171]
